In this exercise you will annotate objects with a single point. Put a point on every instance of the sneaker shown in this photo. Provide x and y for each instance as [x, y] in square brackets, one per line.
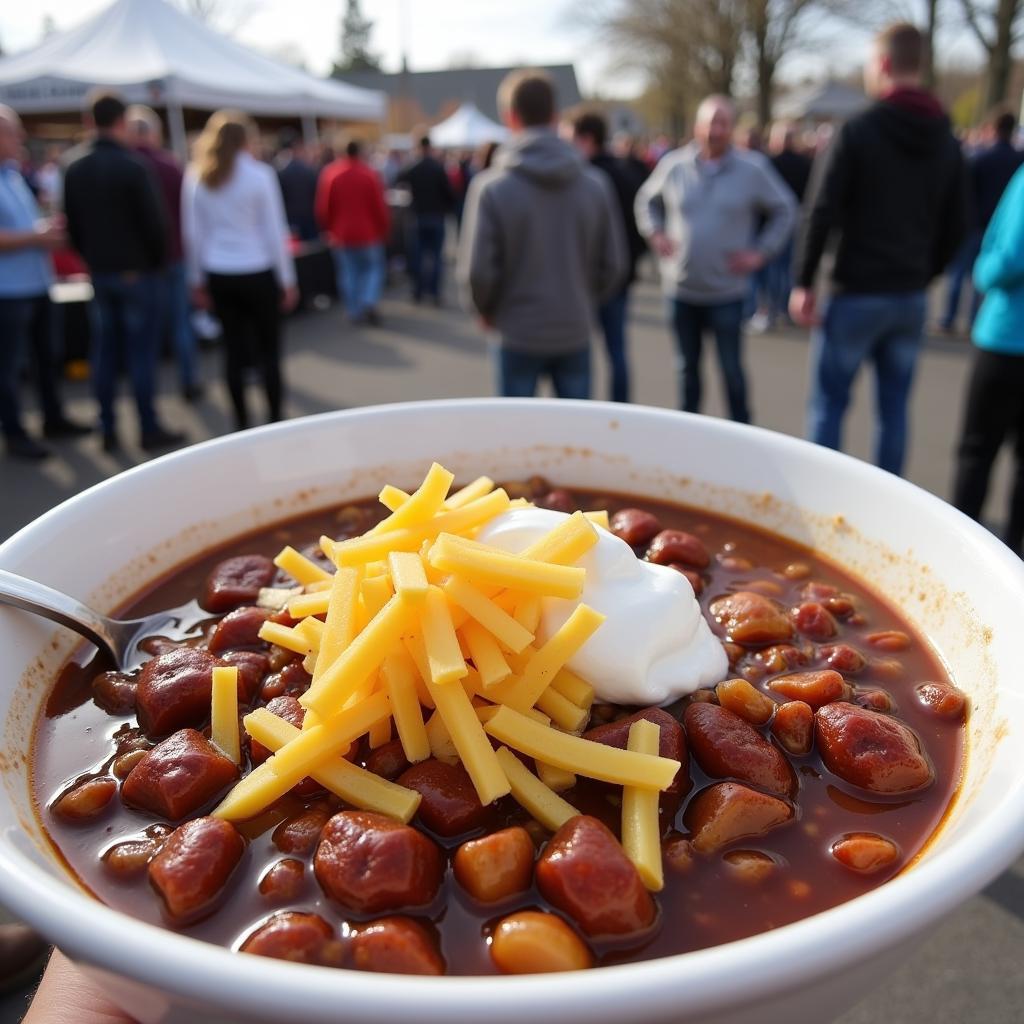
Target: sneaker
[761, 323]
[63, 427]
[373, 317]
[25, 447]
[192, 393]
[154, 440]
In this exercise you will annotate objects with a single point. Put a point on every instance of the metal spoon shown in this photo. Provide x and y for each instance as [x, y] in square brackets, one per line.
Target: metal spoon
[119, 637]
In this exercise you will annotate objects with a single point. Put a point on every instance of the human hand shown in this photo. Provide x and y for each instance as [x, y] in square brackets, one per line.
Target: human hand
[50, 234]
[745, 261]
[67, 996]
[803, 307]
[289, 298]
[662, 245]
[201, 298]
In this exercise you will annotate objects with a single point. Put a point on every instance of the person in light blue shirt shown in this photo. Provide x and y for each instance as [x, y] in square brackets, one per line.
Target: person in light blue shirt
[26, 321]
[995, 393]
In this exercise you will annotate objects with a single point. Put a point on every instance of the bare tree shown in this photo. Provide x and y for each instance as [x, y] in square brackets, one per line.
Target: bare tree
[226, 15]
[997, 26]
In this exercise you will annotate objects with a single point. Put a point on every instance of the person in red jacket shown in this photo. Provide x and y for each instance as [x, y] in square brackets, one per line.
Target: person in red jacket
[350, 209]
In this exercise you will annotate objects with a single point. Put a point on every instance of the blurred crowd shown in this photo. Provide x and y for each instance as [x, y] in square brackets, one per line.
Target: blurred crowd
[746, 231]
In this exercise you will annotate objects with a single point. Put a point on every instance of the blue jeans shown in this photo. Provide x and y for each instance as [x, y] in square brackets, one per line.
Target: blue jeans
[518, 373]
[960, 271]
[175, 313]
[127, 308]
[778, 281]
[426, 248]
[612, 317]
[886, 329]
[725, 321]
[360, 272]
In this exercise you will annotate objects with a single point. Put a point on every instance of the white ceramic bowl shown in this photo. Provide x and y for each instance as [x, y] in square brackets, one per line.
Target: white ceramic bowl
[959, 585]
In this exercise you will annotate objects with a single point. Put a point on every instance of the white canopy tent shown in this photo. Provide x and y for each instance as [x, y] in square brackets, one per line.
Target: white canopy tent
[155, 53]
[466, 129]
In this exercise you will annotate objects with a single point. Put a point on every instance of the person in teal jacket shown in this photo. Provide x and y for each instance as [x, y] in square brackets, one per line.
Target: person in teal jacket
[995, 393]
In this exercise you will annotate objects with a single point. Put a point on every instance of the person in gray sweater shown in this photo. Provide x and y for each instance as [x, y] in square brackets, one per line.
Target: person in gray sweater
[713, 215]
[541, 247]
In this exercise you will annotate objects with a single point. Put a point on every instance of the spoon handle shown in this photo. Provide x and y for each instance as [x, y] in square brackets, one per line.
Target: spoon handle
[52, 604]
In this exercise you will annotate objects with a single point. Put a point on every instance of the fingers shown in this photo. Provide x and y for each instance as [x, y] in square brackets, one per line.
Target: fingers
[67, 996]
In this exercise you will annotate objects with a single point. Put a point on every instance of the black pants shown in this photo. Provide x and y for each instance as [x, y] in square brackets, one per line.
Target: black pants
[27, 329]
[248, 308]
[995, 412]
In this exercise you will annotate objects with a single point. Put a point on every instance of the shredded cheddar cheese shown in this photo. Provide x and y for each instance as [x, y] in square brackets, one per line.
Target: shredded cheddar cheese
[224, 712]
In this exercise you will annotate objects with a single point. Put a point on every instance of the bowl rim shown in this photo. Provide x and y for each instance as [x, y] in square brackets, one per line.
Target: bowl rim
[768, 962]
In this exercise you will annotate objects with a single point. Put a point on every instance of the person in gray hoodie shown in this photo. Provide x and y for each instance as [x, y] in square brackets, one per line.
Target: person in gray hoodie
[542, 246]
[713, 215]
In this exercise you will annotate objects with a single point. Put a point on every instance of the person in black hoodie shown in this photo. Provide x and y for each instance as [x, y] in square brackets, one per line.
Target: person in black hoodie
[893, 188]
[432, 200]
[589, 132]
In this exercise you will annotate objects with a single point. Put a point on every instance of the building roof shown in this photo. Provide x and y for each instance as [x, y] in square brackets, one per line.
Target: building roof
[439, 93]
[821, 101]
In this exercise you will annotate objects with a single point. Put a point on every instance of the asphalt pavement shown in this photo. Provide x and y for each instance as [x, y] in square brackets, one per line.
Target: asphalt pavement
[969, 969]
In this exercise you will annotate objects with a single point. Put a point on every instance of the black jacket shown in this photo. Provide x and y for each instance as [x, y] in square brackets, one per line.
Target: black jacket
[991, 171]
[626, 182]
[893, 187]
[794, 169]
[115, 215]
[298, 189]
[431, 190]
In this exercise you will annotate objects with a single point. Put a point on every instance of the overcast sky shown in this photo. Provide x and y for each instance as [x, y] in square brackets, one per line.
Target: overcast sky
[431, 32]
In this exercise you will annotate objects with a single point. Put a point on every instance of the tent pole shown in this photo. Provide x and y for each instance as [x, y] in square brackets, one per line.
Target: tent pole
[176, 124]
[309, 130]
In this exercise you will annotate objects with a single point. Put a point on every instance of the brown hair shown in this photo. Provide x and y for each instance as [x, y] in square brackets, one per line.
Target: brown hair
[530, 95]
[225, 135]
[105, 107]
[905, 47]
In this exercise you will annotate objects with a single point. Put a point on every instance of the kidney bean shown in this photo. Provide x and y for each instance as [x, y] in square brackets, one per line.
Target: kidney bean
[842, 657]
[814, 620]
[727, 811]
[450, 805]
[671, 742]
[796, 571]
[733, 652]
[174, 690]
[814, 688]
[892, 640]
[532, 942]
[693, 577]
[395, 945]
[876, 700]
[815, 590]
[871, 750]
[742, 699]
[703, 697]
[727, 747]
[387, 761]
[635, 526]
[793, 727]
[85, 800]
[678, 546]
[497, 866]
[252, 667]
[841, 606]
[889, 670]
[124, 763]
[130, 858]
[292, 680]
[750, 866]
[237, 581]
[285, 707]
[736, 563]
[194, 865]
[178, 776]
[865, 852]
[753, 671]
[678, 856]
[750, 618]
[115, 692]
[293, 936]
[370, 864]
[769, 587]
[283, 880]
[942, 699]
[239, 628]
[584, 872]
[279, 657]
[131, 739]
[781, 657]
[301, 833]
[559, 500]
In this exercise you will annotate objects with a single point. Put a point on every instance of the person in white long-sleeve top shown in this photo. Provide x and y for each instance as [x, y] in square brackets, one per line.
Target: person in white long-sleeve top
[236, 251]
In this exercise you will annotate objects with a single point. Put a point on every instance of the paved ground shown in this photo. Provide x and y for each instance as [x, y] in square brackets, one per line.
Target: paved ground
[969, 969]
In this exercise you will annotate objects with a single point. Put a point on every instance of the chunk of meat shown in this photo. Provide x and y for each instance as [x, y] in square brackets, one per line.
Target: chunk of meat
[252, 667]
[395, 945]
[283, 880]
[814, 688]
[388, 761]
[727, 811]
[290, 680]
[194, 865]
[174, 690]
[871, 750]
[284, 707]
[239, 628]
[751, 618]
[372, 864]
[678, 546]
[497, 866]
[301, 832]
[584, 872]
[178, 776]
[450, 805]
[726, 747]
[237, 581]
[293, 936]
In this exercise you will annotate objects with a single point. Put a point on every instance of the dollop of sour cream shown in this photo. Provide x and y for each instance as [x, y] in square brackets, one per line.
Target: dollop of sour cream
[654, 645]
